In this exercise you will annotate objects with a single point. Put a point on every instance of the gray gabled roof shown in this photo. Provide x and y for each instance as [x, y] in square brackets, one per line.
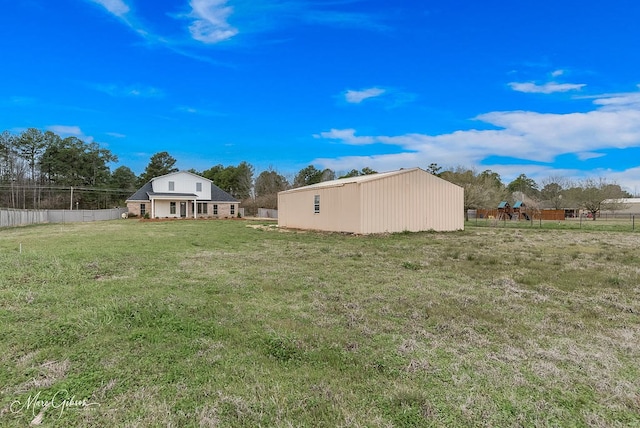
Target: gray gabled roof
[142, 194]
[217, 194]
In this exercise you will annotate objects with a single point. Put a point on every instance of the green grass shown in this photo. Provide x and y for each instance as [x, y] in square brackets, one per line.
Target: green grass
[234, 323]
[622, 224]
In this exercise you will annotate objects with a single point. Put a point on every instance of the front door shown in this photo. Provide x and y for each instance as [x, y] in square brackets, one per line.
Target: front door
[183, 209]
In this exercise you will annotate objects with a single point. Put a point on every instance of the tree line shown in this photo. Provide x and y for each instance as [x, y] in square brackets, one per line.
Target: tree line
[43, 170]
[485, 189]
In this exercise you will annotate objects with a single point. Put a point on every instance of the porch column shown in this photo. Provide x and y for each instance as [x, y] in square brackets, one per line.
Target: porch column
[195, 208]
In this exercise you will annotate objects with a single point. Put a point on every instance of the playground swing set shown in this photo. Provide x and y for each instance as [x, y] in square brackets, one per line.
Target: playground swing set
[516, 212]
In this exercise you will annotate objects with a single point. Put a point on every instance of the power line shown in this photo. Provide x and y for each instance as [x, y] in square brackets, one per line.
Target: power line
[65, 188]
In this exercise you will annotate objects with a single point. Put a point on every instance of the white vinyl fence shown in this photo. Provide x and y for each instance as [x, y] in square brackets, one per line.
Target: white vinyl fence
[11, 218]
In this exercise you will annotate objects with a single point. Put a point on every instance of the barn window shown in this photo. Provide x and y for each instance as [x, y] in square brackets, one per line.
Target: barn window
[233, 209]
[172, 207]
[215, 209]
[172, 186]
[316, 204]
[143, 209]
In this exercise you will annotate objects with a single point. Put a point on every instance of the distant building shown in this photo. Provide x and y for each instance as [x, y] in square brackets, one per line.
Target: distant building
[404, 200]
[629, 205]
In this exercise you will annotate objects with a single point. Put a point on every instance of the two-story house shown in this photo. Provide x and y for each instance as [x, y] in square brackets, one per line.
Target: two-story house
[182, 194]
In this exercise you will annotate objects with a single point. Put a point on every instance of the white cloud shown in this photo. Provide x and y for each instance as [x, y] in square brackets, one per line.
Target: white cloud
[547, 88]
[589, 155]
[64, 130]
[356, 97]
[557, 73]
[70, 131]
[121, 10]
[619, 101]
[188, 110]
[346, 136]
[628, 179]
[344, 19]
[198, 111]
[117, 7]
[137, 91]
[526, 135]
[116, 135]
[210, 21]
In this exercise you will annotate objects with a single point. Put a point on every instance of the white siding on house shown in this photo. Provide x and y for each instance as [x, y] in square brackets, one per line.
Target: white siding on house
[184, 182]
[163, 209]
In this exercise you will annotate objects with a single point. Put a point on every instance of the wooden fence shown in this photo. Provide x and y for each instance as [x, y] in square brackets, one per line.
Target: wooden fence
[525, 214]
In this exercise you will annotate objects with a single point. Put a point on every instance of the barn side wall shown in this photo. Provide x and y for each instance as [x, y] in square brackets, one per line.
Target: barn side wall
[339, 209]
[412, 202]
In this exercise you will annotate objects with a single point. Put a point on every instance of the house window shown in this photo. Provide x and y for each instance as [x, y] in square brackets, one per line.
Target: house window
[143, 209]
[172, 207]
[215, 209]
[198, 187]
[316, 204]
[202, 208]
[233, 209]
[172, 186]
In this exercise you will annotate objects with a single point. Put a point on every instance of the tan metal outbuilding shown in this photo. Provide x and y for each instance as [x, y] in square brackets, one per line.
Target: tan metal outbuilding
[404, 200]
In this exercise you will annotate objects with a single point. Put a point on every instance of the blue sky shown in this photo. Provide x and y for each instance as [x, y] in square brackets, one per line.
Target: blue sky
[545, 88]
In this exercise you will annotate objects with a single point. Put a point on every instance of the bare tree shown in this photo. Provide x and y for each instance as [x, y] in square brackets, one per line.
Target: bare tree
[596, 195]
[480, 190]
[552, 192]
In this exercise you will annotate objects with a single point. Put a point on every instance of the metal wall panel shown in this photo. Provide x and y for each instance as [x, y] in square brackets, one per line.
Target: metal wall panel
[408, 200]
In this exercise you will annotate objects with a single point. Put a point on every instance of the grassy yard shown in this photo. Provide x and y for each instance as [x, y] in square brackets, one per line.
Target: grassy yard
[232, 323]
[611, 225]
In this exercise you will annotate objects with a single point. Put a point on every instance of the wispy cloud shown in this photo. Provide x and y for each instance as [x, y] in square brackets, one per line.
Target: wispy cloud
[136, 91]
[70, 131]
[210, 23]
[116, 135]
[122, 11]
[209, 20]
[198, 111]
[356, 97]
[344, 19]
[389, 97]
[618, 101]
[526, 135]
[346, 136]
[546, 88]
[589, 155]
[22, 101]
[117, 7]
